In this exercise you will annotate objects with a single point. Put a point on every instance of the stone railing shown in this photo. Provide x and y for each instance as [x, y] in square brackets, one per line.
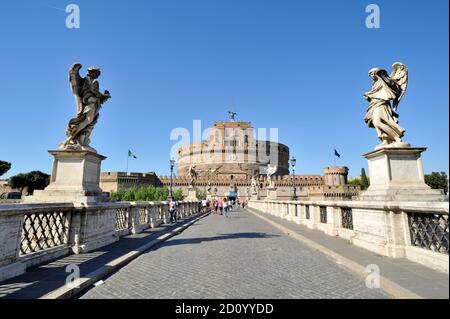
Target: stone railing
[417, 231]
[32, 234]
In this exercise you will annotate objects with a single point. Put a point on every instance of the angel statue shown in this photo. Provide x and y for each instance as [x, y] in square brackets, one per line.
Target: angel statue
[88, 100]
[193, 175]
[381, 114]
[254, 185]
[232, 115]
[271, 169]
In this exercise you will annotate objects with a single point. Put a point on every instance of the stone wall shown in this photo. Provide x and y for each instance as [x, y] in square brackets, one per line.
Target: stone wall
[32, 234]
[417, 231]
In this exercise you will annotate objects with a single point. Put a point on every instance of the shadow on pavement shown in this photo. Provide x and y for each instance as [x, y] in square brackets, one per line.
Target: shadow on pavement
[40, 280]
[199, 240]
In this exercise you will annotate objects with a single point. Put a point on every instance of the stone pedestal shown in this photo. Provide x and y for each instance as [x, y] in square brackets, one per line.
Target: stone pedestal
[396, 174]
[75, 178]
[192, 193]
[255, 196]
[272, 193]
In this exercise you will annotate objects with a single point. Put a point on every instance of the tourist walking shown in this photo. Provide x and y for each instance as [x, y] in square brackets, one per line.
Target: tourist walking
[204, 205]
[216, 206]
[172, 211]
[225, 207]
[220, 204]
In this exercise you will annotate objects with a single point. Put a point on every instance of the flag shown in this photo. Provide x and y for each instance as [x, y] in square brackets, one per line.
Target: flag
[131, 154]
[337, 154]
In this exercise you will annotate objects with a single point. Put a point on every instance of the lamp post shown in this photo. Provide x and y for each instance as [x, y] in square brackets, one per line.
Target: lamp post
[172, 164]
[294, 190]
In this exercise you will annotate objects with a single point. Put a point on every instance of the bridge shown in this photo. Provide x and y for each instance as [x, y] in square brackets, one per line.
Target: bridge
[270, 249]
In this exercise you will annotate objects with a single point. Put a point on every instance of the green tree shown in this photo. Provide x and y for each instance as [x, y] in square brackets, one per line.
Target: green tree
[4, 167]
[437, 181]
[364, 179]
[178, 194]
[200, 194]
[150, 193]
[355, 182]
[30, 181]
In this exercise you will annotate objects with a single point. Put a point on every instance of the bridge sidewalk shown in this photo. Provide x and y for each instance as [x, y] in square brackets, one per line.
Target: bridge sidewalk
[409, 276]
[49, 280]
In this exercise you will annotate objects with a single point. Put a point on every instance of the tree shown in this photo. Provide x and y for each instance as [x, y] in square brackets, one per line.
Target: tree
[4, 167]
[29, 181]
[200, 194]
[356, 182]
[178, 194]
[437, 181]
[364, 179]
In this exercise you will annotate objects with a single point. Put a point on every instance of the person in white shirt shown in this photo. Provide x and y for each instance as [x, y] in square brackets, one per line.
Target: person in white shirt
[225, 207]
[204, 205]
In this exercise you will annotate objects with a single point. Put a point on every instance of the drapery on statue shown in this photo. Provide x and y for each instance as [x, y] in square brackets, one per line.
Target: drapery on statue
[193, 175]
[89, 100]
[381, 115]
[271, 169]
[232, 115]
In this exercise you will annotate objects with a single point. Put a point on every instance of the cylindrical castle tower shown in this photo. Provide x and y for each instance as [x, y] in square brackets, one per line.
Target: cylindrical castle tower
[335, 175]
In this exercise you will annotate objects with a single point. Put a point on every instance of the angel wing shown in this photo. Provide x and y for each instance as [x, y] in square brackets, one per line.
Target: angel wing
[76, 83]
[271, 169]
[400, 76]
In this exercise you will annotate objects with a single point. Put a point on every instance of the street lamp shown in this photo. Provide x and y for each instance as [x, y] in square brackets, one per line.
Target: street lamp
[294, 190]
[172, 164]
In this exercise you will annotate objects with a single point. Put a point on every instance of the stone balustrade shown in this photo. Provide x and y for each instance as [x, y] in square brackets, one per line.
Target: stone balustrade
[32, 234]
[417, 231]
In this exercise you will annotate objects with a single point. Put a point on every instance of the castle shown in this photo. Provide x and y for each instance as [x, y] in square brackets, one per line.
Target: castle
[226, 163]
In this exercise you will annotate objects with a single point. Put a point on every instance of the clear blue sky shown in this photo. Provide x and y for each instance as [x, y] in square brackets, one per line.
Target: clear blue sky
[299, 66]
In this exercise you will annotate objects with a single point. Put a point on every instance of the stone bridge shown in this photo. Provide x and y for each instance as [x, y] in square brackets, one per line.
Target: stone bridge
[270, 249]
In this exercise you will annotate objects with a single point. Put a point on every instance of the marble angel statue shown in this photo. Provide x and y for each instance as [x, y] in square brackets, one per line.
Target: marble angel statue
[88, 100]
[271, 169]
[193, 175]
[384, 98]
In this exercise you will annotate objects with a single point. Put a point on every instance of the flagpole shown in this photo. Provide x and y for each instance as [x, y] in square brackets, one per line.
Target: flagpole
[128, 158]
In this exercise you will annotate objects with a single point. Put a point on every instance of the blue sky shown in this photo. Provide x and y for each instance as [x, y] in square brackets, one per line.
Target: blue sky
[299, 66]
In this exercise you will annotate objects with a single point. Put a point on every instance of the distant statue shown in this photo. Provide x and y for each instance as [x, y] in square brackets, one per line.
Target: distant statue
[271, 169]
[232, 115]
[89, 100]
[381, 114]
[193, 176]
[208, 187]
[254, 185]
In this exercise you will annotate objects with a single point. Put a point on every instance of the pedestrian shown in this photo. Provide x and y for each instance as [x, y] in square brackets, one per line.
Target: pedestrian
[225, 207]
[172, 211]
[211, 206]
[204, 205]
[216, 206]
[220, 204]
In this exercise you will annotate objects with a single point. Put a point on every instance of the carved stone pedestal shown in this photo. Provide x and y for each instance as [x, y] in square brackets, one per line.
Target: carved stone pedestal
[192, 193]
[396, 174]
[272, 193]
[75, 178]
[255, 196]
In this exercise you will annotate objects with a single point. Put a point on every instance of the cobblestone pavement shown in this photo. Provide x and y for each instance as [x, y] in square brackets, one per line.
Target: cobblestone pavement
[238, 257]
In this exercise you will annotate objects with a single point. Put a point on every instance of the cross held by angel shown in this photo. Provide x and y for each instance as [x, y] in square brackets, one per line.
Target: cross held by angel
[381, 114]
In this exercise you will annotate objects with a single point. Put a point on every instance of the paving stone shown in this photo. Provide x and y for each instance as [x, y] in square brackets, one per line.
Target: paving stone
[239, 257]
